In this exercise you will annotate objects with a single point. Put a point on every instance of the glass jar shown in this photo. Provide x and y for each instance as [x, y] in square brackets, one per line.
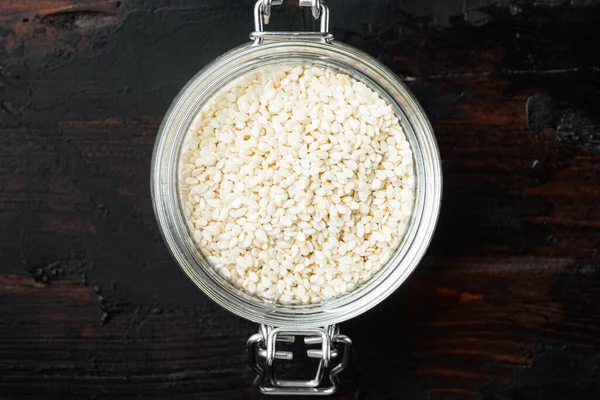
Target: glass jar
[281, 322]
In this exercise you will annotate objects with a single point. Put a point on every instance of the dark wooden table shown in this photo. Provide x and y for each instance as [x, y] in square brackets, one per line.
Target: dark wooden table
[506, 305]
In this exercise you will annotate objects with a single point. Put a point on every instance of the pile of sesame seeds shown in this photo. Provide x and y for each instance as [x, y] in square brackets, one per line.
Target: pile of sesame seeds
[297, 182]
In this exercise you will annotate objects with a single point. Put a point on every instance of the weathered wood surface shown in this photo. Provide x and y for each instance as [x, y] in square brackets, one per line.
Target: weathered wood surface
[506, 304]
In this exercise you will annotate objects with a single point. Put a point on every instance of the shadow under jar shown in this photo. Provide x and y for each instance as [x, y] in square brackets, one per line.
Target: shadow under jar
[281, 323]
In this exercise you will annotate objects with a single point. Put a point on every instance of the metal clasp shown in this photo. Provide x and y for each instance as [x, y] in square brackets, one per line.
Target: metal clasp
[262, 15]
[333, 356]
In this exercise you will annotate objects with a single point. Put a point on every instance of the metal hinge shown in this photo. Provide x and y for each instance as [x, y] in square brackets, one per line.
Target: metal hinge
[262, 15]
[333, 356]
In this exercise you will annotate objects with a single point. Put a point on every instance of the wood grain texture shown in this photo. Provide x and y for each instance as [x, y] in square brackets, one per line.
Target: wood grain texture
[505, 304]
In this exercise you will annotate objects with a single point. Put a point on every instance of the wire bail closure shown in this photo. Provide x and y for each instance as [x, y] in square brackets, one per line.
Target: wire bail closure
[262, 16]
[333, 356]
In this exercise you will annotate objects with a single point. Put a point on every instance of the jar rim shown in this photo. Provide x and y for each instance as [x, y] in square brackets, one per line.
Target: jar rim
[172, 224]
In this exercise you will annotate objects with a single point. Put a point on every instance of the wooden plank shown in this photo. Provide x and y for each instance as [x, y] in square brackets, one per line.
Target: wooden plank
[503, 307]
